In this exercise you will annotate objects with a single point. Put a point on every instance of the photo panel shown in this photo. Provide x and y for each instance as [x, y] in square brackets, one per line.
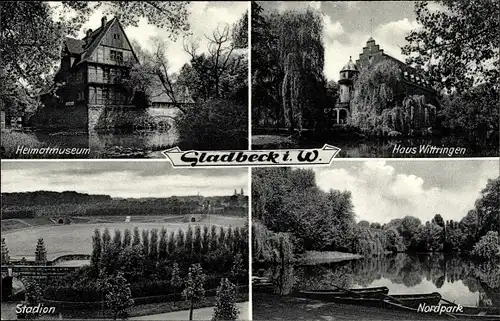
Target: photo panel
[137, 240]
[377, 79]
[377, 240]
[114, 80]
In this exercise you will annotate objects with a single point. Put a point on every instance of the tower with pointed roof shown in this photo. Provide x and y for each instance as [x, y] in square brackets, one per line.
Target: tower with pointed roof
[348, 75]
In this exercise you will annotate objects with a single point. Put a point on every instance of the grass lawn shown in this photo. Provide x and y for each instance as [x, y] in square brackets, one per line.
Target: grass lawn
[77, 238]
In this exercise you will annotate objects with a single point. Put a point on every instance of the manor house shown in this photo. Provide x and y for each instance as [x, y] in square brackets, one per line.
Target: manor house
[414, 82]
[89, 85]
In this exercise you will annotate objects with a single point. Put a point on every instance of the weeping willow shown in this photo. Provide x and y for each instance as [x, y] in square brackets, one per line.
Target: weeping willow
[378, 108]
[300, 47]
[271, 247]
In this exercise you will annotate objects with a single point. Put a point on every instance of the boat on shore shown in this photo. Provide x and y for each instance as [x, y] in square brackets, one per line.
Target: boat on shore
[328, 295]
[406, 300]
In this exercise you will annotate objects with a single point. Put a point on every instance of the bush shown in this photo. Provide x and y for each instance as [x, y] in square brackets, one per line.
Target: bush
[488, 247]
[212, 125]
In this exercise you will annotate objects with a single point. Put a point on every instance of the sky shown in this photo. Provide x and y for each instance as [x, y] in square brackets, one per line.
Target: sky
[121, 179]
[349, 24]
[204, 17]
[384, 190]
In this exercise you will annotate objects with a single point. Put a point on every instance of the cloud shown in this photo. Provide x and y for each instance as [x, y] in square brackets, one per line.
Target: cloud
[380, 193]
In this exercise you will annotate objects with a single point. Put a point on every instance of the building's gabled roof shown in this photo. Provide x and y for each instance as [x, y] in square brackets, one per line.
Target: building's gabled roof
[74, 46]
[92, 40]
[85, 47]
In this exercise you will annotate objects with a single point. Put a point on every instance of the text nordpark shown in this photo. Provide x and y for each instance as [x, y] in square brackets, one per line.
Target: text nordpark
[247, 157]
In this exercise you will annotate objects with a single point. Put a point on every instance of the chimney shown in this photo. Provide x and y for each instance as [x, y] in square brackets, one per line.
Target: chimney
[104, 20]
[89, 32]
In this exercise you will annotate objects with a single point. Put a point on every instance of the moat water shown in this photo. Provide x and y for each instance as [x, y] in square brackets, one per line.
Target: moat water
[381, 147]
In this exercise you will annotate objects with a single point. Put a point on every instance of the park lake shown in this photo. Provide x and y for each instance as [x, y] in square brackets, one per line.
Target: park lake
[457, 279]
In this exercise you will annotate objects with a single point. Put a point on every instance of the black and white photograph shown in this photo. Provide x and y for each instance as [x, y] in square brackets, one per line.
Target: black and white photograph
[377, 240]
[377, 79]
[122, 79]
[123, 240]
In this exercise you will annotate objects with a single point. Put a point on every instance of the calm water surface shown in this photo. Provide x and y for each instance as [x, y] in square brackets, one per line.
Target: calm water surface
[456, 279]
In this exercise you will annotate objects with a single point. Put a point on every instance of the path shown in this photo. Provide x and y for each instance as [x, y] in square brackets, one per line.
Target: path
[198, 314]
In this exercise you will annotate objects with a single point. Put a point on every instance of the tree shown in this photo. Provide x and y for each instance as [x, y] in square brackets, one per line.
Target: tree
[488, 247]
[40, 253]
[225, 306]
[106, 238]
[117, 239]
[33, 295]
[474, 114]
[96, 250]
[118, 296]
[5, 253]
[175, 280]
[301, 53]
[137, 237]
[152, 75]
[456, 43]
[153, 247]
[214, 124]
[194, 291]
[127, 238]
[145, 242]
[488, 208]
[130, 261]
[162, 245]
[237, 268]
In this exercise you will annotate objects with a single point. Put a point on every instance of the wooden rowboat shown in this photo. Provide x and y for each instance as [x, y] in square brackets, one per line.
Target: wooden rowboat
[328, 295]
[407, 300]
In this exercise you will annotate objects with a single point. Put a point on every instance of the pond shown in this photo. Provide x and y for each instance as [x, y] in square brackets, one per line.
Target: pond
[379, 147]
[456, 279]
[102, 144]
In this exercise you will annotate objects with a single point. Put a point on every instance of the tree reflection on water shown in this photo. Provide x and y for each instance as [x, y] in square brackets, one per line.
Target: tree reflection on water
[467, 281]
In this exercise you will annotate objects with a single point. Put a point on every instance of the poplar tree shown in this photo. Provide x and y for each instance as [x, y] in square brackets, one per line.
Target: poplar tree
[5, 252]
[137, 237]
[127, 238]
[171, 245]
[205, 239]
[162, 247]
[197, 242]
[117, 239]
[106, 238]
[153, 247]
[189, 240]
[96, 250]
[145, 242]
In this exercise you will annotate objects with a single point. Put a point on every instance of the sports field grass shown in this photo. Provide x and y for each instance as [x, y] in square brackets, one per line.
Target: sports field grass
[77, 238]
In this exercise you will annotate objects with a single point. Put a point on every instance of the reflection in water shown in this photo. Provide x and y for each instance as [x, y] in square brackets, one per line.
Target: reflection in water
[384, 147]
[101, 143]
[463, 281]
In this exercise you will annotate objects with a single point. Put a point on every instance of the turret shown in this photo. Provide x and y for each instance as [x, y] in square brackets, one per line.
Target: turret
[346, 81]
